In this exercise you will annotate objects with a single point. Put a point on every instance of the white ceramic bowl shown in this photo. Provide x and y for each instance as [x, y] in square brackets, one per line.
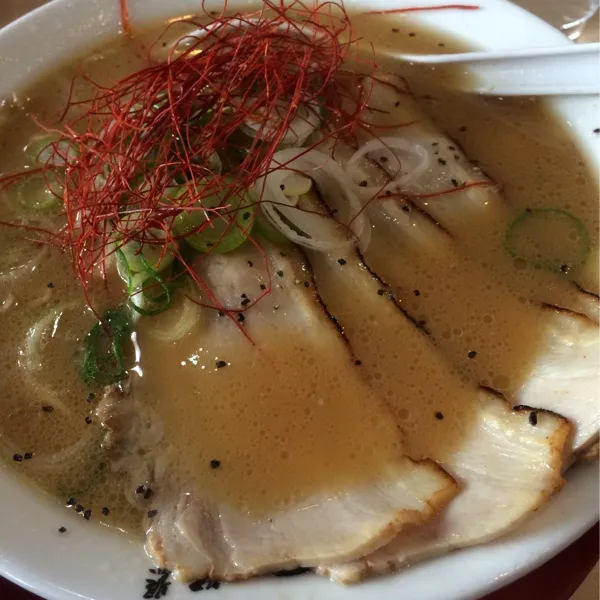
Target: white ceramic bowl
[91, 562]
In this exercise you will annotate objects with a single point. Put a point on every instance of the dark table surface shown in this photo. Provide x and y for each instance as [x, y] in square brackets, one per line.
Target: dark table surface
[558, 579]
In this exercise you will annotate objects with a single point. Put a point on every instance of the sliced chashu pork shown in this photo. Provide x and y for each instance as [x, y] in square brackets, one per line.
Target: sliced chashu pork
[132, 435]
[471, 297]
[197, 531]
[477, 216]
[508, 462]
[537, 356]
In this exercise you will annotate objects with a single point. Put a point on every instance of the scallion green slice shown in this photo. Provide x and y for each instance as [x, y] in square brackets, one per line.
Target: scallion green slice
[148, 293]
[548, 238]
[37, 193]
[216, 231]
[49, 148]
[104, 362]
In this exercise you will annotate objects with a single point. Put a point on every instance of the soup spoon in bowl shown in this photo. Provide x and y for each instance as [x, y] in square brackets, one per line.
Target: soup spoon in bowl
[562, 70]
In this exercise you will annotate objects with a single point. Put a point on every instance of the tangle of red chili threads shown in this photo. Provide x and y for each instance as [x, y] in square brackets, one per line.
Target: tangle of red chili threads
[137, 137]
[397, 11]
[164, 123]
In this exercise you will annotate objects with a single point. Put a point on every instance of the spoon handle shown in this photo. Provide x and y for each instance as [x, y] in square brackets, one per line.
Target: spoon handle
[561, 70]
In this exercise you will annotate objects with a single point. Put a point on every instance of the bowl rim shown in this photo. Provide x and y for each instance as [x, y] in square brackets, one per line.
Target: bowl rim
[31, 553]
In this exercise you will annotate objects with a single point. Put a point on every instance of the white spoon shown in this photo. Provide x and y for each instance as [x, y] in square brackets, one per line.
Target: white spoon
[562, 70]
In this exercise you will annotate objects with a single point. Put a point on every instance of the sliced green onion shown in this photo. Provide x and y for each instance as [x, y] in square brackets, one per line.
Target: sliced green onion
[154, 255]
[49, 148]
[161, 100]
[104, 362]
[217, 232]
[548, 238]
[296, 184]
[199, 119]
[35, 194]
[263, 228]
[140, 286]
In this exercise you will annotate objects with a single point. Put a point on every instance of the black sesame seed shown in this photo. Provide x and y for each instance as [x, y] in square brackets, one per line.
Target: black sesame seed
[451, 148]
[282, 187]
[17, 457]
[148, 494]
[388, 192]
[397, 103]
[71, 502]
[87, 514]
[241, 318]
[564, 268]
[215, 464]
[197, 586]
[363, 183]
[245, 302]
[597, 130]
[454, 182]
[48, 408]
[250, 263]
[533, 420]
[439, 416]
[472, 354]
[79, 508]
[246, 216]
[306, 284]
[62, 529]
[341, 262]
[406, 208]
[456, 157]
[416, 292]
[263, 286]
[91, 397]
[395, 30]
[28, 455]
[380, 292]
[50, 285]
[221, 313]
[221, 364]
[88, 420]
[243, 296]
[441, 161]
[152, 513]
[279, 273]
[283, 254]
[358, 362]
[383, 159]
[412, 34]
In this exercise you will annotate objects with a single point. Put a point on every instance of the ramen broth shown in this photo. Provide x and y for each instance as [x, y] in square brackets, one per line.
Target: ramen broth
[280, 419]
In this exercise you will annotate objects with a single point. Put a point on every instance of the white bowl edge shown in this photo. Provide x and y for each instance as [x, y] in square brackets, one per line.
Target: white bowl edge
[91, 562]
